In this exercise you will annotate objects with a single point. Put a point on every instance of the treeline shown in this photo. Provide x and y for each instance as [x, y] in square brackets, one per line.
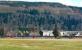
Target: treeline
[43, 21]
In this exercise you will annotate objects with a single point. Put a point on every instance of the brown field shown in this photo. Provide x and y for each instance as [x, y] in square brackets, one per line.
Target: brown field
[40, 44]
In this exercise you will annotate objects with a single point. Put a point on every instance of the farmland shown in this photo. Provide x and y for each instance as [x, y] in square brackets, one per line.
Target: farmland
[40, 44]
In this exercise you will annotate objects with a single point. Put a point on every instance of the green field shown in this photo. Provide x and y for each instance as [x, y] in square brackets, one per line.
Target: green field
[37, 44]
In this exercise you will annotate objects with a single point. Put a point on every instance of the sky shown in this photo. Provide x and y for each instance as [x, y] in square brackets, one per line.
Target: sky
[66, 2]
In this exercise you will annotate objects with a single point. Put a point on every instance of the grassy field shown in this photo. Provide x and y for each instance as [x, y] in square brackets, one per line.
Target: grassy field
[38, 44]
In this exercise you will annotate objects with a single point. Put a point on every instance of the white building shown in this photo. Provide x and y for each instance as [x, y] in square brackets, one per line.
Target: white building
[62, 33]
[47, 33]
[68, 33]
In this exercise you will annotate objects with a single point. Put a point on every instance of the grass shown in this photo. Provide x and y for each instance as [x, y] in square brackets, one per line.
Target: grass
[35, 44]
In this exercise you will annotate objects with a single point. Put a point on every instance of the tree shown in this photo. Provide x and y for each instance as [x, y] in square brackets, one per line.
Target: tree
[1, 32]
[41, 33]
[71, 35]
[19, 34]
[26, 34]
[55, 31]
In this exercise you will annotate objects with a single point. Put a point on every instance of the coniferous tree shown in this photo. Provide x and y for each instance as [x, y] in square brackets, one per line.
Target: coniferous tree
[41, 33]
[1, 32]
[55, 31]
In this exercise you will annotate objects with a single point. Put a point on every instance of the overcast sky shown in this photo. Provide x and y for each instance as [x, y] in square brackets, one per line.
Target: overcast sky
[66, 2]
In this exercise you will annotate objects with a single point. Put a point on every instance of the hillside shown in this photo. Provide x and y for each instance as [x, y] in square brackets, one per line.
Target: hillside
[40, 15]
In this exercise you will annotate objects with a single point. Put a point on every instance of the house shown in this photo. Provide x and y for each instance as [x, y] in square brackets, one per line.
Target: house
[62, 33]
[69, 33]
[47, 33]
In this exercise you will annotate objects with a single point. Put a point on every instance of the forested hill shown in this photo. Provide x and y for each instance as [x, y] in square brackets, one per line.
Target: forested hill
[43, 15]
